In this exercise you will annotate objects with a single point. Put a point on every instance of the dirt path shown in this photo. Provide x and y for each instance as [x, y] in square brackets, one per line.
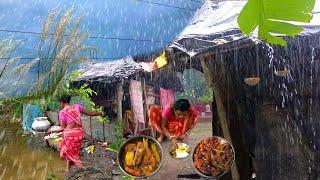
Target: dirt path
[171, 168]
[101, 164]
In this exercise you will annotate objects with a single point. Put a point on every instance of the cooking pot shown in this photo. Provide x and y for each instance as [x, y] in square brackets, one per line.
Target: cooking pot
[41, 124]
[121, 154]
[221, 140]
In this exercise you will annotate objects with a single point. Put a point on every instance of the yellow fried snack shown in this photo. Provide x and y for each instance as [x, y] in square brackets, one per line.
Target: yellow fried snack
[141, 158]
[146, 171]
[139, 154]
[129, 158]
[155, 152]
[130, 147]
[145, 143]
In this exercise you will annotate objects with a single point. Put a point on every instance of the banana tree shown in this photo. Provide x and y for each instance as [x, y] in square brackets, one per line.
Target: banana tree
[274, 17]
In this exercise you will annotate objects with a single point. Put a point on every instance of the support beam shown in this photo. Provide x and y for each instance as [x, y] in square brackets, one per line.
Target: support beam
[221, 111]
[119, 95]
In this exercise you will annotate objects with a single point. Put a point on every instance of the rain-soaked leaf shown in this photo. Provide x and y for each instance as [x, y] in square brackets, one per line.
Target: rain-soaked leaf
[270, 16]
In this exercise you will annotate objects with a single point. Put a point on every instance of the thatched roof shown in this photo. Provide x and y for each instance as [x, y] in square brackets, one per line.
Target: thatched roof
[111, 71]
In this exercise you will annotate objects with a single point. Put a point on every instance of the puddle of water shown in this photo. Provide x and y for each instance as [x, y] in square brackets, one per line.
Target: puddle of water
[26, 157]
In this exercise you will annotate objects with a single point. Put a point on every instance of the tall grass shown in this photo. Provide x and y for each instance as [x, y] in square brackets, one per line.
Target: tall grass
[7, 46]
[61, 44]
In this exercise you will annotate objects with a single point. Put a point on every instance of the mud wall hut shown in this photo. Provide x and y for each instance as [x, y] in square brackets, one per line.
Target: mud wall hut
[266, 97]
[126, 90]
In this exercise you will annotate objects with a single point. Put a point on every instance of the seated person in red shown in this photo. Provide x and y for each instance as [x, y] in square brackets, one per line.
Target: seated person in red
[174, 121]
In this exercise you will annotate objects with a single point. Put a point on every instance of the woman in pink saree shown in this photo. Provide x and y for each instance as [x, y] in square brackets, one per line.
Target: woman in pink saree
[73, 133]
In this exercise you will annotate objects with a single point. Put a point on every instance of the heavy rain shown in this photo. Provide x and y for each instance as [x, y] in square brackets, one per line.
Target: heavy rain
[159, 89]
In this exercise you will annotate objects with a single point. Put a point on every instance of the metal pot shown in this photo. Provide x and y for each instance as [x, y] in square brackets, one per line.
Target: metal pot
[41, 124]
[121, 154]
[212, 177]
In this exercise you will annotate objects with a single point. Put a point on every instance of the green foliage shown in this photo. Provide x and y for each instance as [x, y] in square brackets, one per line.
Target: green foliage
[57, 53]
[74, 75]
[118, 136]
[100, 118]
[17, 109]
[205, 98]
[125, 177]
[81, 95]
[269, 17]
[14, 105]
[51, 176]
[53, 104]
[195, 88]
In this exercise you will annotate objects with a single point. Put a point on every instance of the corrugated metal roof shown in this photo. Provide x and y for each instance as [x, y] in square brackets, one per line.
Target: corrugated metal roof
[110, 71]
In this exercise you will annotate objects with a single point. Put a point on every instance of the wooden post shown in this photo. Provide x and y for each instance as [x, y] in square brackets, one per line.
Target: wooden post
[216, 130]
[145, 98]
[221, 111]
[104, 136]
[90, 127]
[119, 96]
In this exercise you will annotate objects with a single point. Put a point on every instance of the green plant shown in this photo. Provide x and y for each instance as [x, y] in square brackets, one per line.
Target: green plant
[273, 17]
[53, 104]
[61, 46]
[125, 177]
[206, 98]
[118, 137]
[17, 109]
[80, 95]
[101, 118]
[14, 105]
[195, 87]
[50, 175]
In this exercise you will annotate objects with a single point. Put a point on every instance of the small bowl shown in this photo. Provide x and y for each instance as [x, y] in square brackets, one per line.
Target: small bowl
[181, 152]
[121, 154]
[252, 81]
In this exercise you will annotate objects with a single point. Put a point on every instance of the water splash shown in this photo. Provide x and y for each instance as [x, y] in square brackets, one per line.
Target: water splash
[2, 135]
[3, 150]
[270, 53]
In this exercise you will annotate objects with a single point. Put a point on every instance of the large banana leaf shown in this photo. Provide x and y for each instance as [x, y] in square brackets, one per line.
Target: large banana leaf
[269, 17]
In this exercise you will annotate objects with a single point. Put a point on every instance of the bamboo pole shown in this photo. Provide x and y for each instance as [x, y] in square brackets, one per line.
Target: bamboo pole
[90, 127]
[221, 112]
[146, 109]
[119, 96]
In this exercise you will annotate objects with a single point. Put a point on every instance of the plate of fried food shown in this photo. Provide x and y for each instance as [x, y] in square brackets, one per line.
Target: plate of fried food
[140, 157]
[213, 157]
[181, 151]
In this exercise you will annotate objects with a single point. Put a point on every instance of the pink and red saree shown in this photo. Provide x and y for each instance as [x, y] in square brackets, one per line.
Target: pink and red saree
[72, 137]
